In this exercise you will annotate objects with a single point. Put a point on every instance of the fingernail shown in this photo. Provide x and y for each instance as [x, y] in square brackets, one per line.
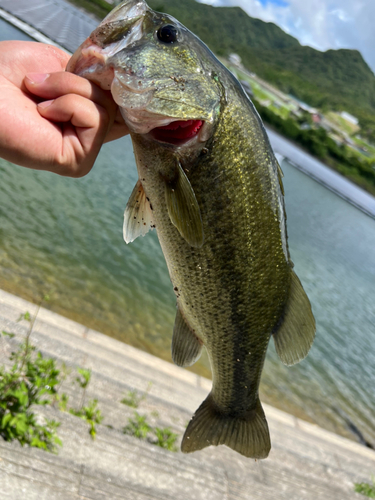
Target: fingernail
[37, 77]
[45, 104]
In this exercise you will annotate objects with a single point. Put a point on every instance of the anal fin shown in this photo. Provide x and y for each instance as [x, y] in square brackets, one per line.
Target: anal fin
[247, 434]
[138, 218]
[186, 346]
[296, 334]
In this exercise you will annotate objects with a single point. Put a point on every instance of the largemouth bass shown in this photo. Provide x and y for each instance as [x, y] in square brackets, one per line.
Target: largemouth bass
[211, 185]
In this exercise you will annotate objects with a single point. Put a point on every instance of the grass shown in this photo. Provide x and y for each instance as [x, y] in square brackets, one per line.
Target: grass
[343, 124]
[31, 381]
[90, 414]
[35, 380]
[165, 438]
[366, 489]
[133, 399]
[139, 427]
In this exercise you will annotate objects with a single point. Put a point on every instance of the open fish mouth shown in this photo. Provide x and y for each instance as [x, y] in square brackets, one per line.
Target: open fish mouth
[177, 132]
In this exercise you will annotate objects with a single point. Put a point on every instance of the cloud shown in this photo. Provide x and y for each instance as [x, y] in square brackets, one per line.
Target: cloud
[322, 24]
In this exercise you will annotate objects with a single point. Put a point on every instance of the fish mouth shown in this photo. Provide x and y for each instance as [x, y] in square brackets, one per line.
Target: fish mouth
[177, 132]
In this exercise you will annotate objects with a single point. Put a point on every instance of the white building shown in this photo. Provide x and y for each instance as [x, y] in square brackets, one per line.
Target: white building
[349, 118]
[235, 59]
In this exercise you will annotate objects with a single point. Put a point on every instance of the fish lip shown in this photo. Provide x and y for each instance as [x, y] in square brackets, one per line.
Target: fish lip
[90, 62]
[94, 55]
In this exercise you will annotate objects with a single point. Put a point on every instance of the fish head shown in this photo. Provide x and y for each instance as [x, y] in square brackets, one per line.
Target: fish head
[160, 74]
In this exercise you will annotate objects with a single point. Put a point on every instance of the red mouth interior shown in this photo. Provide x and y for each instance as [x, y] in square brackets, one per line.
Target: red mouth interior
[177, 131]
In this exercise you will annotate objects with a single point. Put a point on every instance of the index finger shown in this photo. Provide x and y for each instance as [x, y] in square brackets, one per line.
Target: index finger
[61, 83]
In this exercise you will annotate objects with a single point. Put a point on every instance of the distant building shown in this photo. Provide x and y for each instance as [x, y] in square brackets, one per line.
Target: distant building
[302, 106]
[349, 118]
[235, 59]
[316, 118]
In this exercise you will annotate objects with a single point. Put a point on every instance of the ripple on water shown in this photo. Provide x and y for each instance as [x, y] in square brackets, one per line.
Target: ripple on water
[64, 237]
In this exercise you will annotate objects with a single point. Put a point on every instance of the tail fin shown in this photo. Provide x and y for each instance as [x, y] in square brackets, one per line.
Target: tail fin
[247, 434]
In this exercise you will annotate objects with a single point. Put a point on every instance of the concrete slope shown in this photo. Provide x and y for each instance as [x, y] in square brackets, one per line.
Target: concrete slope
[306, 462]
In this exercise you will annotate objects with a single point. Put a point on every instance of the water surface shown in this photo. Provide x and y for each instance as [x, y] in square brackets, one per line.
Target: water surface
[64, 237]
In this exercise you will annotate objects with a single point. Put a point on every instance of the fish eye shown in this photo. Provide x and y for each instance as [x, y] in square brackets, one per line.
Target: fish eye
[167, 34]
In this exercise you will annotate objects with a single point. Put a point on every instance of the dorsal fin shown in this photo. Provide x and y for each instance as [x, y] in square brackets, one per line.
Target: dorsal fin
[296, 334]
[138, 219]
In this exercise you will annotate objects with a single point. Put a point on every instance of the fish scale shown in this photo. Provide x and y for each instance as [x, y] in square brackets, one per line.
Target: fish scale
[215, 197]
[230, 307]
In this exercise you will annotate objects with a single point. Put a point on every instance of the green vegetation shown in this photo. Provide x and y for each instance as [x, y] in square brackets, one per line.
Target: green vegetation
[366, 489]
[141, 429]
[91, 414]
[31, 381]
[26, 316]
[165, 438]
[335, 79]
[137, 426]
[319, 144]
[34, 380]
[134, 399]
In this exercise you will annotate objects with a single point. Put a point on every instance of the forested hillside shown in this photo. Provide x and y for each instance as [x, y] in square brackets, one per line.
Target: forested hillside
[335, 79]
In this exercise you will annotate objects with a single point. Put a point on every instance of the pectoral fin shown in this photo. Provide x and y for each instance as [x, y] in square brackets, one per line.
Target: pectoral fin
[183, 209]
[186, 347]
[138, 219]
[296, 334]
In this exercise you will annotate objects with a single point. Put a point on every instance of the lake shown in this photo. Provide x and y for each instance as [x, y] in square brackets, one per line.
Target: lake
[63, 237]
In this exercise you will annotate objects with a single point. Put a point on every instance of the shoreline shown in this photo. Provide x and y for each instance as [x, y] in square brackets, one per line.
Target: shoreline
[283, 148]
[304, 457]
[10, 300]
[17, 293]
[321, 173]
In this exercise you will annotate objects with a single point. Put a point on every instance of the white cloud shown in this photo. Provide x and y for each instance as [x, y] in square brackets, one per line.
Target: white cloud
[322, 24]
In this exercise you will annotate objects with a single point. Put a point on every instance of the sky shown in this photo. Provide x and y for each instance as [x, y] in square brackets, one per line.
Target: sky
[322, 24]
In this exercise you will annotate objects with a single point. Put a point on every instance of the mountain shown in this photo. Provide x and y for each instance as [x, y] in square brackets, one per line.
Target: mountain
[335, 79]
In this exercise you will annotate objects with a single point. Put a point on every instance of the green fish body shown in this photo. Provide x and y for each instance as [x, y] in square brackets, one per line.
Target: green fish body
[211, 185]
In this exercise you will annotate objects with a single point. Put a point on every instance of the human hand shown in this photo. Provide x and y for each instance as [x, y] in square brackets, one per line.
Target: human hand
[52, 120]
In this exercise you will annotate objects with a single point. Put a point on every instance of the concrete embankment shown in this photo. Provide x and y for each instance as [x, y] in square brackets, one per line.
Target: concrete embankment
[321, 173]
[306, 462]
